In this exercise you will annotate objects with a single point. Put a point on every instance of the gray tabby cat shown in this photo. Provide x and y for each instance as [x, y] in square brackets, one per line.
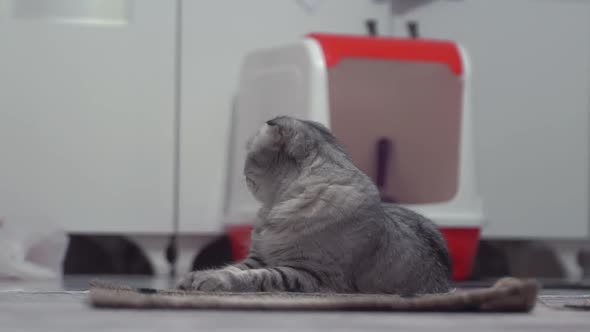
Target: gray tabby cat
[322, 226]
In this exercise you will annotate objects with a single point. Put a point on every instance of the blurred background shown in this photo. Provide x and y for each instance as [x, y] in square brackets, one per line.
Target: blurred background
[118, 127]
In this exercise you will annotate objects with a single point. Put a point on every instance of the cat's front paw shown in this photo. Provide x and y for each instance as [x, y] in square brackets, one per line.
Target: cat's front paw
[210, 281]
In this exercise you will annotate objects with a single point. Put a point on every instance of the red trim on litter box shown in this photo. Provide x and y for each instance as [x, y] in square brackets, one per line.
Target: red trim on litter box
[239, 236]
[462, 243]
[336, 47]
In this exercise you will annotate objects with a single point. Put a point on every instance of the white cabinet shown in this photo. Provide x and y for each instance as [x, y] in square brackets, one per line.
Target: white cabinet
[215, 37]
[87, 104]
[88, 90]
[87, 113]
[531, 87]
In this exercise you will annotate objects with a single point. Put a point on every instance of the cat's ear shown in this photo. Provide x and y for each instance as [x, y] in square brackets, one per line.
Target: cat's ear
[288, 133]
[275, 132]
[273, 122]
[268, 136]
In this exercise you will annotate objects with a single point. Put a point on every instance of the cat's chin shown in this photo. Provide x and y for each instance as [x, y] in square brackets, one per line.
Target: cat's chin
[258, 198]
[256, 195]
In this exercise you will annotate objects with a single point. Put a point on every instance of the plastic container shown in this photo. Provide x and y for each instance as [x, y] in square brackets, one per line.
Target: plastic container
[399, 106]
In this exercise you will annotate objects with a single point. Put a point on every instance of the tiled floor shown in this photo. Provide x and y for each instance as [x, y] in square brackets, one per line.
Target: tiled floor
[60, 306]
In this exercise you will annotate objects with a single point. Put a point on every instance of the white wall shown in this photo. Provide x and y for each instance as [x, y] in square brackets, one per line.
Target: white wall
[86, 116]
[531, 93]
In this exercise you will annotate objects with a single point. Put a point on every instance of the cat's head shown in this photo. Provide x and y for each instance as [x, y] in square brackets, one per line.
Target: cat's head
[282, 148]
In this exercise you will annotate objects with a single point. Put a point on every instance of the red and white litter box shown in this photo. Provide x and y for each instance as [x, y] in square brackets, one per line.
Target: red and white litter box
[400, 107]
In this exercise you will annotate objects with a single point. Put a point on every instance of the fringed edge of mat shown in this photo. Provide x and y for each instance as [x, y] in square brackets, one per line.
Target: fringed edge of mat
[565, 302]
[507, 295]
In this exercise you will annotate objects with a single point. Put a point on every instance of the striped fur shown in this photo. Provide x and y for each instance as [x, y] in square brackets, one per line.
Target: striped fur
[322, 226]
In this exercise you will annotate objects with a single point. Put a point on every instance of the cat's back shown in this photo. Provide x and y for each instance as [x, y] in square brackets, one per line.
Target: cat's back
[416, 227]
[412, 256]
